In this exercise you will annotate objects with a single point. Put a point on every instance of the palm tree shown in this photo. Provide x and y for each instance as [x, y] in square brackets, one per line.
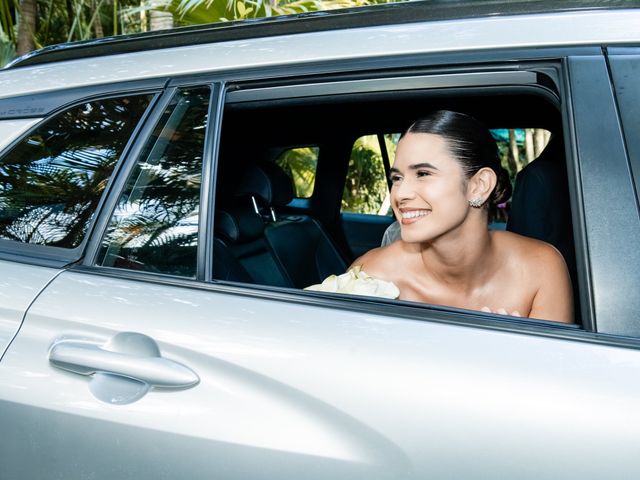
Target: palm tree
[27, 26]
[7, 50]
[193, 12]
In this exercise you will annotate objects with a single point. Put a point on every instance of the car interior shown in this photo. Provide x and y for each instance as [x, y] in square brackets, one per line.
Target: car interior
[267, 236]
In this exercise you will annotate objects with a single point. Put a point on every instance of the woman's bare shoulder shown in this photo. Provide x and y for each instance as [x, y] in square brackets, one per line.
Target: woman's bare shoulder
[545, 273]
[380, 261]
[535, 254]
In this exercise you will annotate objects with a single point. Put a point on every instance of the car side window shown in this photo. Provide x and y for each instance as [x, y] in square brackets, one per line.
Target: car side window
[155, 224]
[51, 182]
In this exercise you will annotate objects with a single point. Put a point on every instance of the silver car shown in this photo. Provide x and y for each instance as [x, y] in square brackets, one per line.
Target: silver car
[166, 197]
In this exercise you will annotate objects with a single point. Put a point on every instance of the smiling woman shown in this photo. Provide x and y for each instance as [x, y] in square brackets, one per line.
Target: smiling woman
[446, 181]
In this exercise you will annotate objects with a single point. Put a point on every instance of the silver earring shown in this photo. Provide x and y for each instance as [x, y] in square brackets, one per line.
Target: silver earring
[476, 202]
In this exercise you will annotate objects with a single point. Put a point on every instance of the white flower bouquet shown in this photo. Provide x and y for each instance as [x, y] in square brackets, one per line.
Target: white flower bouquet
[357, 282]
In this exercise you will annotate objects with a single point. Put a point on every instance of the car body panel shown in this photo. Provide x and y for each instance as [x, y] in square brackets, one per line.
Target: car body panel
[19, 286]
[12, 129]
[522, 31]
[291, 390]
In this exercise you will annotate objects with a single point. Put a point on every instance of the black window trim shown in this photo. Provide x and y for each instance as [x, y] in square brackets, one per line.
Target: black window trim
[204, 265]
[583, 272]
[384, 84]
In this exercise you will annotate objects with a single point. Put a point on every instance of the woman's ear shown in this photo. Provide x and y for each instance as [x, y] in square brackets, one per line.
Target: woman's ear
[481, 185]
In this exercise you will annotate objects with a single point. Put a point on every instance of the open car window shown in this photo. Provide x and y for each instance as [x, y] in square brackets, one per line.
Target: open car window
[275, 241]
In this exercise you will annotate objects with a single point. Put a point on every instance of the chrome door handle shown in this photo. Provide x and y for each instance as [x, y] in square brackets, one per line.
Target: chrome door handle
[128, 360]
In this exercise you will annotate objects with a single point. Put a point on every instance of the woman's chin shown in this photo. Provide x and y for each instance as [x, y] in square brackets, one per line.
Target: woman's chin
[415, 236]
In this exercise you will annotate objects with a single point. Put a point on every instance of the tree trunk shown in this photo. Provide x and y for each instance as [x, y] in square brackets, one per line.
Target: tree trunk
[27, 26]
[514, 155]
[115, 17]
[528, 144]
[538, 141]
[97, 25]
[70, 17]
[160, 20]
[143, 18]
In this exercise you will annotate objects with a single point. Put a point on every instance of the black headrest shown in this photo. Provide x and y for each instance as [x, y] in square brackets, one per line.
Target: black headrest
[239, 224]
[554, 151]
[269, 183]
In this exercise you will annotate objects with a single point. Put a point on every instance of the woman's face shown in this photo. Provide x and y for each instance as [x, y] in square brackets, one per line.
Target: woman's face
[428, 192]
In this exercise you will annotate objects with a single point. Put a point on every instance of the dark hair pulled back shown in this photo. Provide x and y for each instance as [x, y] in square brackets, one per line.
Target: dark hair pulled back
[471, 144]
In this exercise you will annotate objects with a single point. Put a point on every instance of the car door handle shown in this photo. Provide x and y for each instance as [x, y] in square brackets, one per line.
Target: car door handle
[128, 354]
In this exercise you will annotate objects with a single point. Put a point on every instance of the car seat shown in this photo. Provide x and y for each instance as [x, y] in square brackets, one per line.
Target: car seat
[240, 233]
[299, 242]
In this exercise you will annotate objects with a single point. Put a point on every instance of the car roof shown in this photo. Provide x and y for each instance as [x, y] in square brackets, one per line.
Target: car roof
[377, 15]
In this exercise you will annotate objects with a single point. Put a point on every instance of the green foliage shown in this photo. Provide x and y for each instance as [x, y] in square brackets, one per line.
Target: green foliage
[366, 186]
[7, 50]
[300, 164]
[60, 21]
[6, 20]
[190, 12]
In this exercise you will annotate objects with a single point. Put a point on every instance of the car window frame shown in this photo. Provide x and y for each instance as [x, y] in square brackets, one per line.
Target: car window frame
[552, 68]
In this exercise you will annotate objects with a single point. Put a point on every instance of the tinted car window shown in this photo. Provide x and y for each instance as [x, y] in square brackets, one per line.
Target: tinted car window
[155, 224]
[51, 182]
